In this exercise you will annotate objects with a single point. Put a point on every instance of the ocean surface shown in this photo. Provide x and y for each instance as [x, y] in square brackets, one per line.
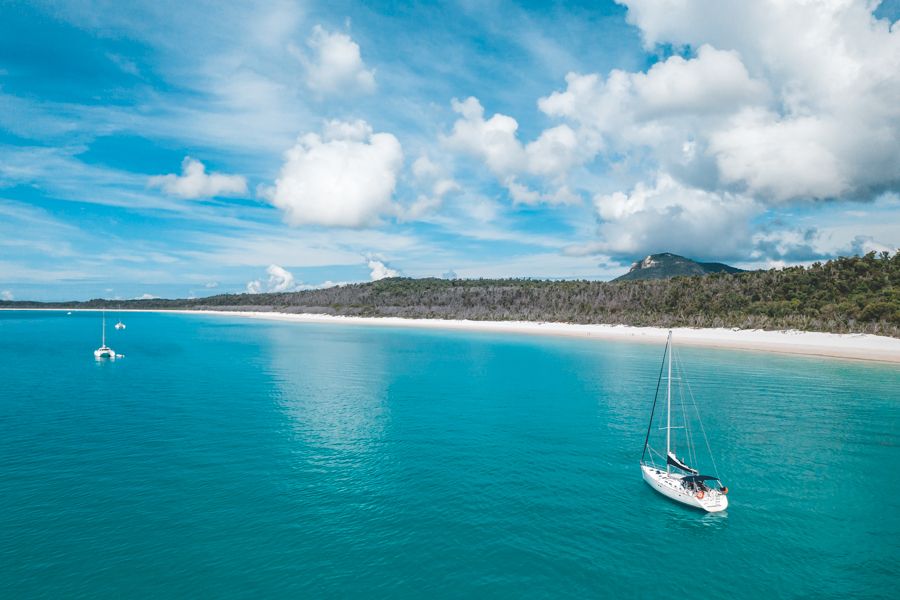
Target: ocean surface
[232, 458]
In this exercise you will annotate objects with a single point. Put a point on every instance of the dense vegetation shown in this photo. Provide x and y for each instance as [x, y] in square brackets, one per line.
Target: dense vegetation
[855, 294]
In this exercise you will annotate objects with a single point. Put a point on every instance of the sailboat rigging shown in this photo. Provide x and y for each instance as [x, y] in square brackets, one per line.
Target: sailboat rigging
[679, 481]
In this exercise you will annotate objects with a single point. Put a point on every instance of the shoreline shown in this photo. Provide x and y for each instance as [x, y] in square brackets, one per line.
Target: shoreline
[854, 346]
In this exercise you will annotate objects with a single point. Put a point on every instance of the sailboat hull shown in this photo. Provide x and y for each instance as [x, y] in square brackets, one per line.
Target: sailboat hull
[671, 486]
[104, 352]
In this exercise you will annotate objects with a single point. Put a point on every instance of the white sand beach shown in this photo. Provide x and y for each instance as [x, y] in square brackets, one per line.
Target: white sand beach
[856, 346]
[850, 346]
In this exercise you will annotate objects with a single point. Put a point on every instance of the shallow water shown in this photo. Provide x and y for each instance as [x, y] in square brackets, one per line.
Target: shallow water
[224, 457]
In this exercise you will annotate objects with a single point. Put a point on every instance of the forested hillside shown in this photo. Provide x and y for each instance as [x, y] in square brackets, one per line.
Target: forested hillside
[856, 294]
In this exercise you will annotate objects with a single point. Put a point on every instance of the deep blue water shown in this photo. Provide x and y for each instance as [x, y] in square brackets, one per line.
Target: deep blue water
[227, 458]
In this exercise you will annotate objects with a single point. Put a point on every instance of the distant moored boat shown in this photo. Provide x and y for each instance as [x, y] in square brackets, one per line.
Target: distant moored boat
[104, 351]
[120, 325]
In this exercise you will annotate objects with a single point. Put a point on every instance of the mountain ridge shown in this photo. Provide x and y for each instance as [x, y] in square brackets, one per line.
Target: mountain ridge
[665, 265]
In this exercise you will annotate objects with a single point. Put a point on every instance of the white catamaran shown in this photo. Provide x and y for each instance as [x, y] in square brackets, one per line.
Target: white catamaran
[677, 480]
[104, 351]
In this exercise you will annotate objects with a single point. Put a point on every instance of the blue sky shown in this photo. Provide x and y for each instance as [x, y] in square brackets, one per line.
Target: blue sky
[182, 149]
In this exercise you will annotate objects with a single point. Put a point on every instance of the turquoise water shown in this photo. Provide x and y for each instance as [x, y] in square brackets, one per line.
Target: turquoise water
[226, 458]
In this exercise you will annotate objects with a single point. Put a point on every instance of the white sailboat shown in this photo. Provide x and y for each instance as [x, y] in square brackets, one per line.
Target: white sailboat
[104, 351]
[120, 325]
[676, 479]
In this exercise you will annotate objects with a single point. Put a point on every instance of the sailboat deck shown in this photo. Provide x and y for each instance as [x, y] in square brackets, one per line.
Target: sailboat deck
[672, 486]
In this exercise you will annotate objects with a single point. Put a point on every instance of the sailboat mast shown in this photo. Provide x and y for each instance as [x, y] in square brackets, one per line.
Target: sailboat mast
[662, 366]
[669, 404]
[104, 328]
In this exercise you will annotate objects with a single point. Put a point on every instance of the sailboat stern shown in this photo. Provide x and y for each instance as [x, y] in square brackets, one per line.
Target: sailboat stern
[714, 501]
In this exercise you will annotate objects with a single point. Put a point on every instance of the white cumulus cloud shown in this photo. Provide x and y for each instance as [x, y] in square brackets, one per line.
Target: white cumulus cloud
[783, 100]
[355, 131]
[763, 103]
[6, 295]
[766, 103]
[495, 142]
[195, 182]
[435, 184]
[669, 217]
[424, 168]
[280, 280]
[345, 178]
[336, 64]
[379, 270]
[554, 152]
[667, 111]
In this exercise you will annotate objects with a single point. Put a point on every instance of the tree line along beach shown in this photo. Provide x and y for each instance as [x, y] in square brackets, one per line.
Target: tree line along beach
[847, 307]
